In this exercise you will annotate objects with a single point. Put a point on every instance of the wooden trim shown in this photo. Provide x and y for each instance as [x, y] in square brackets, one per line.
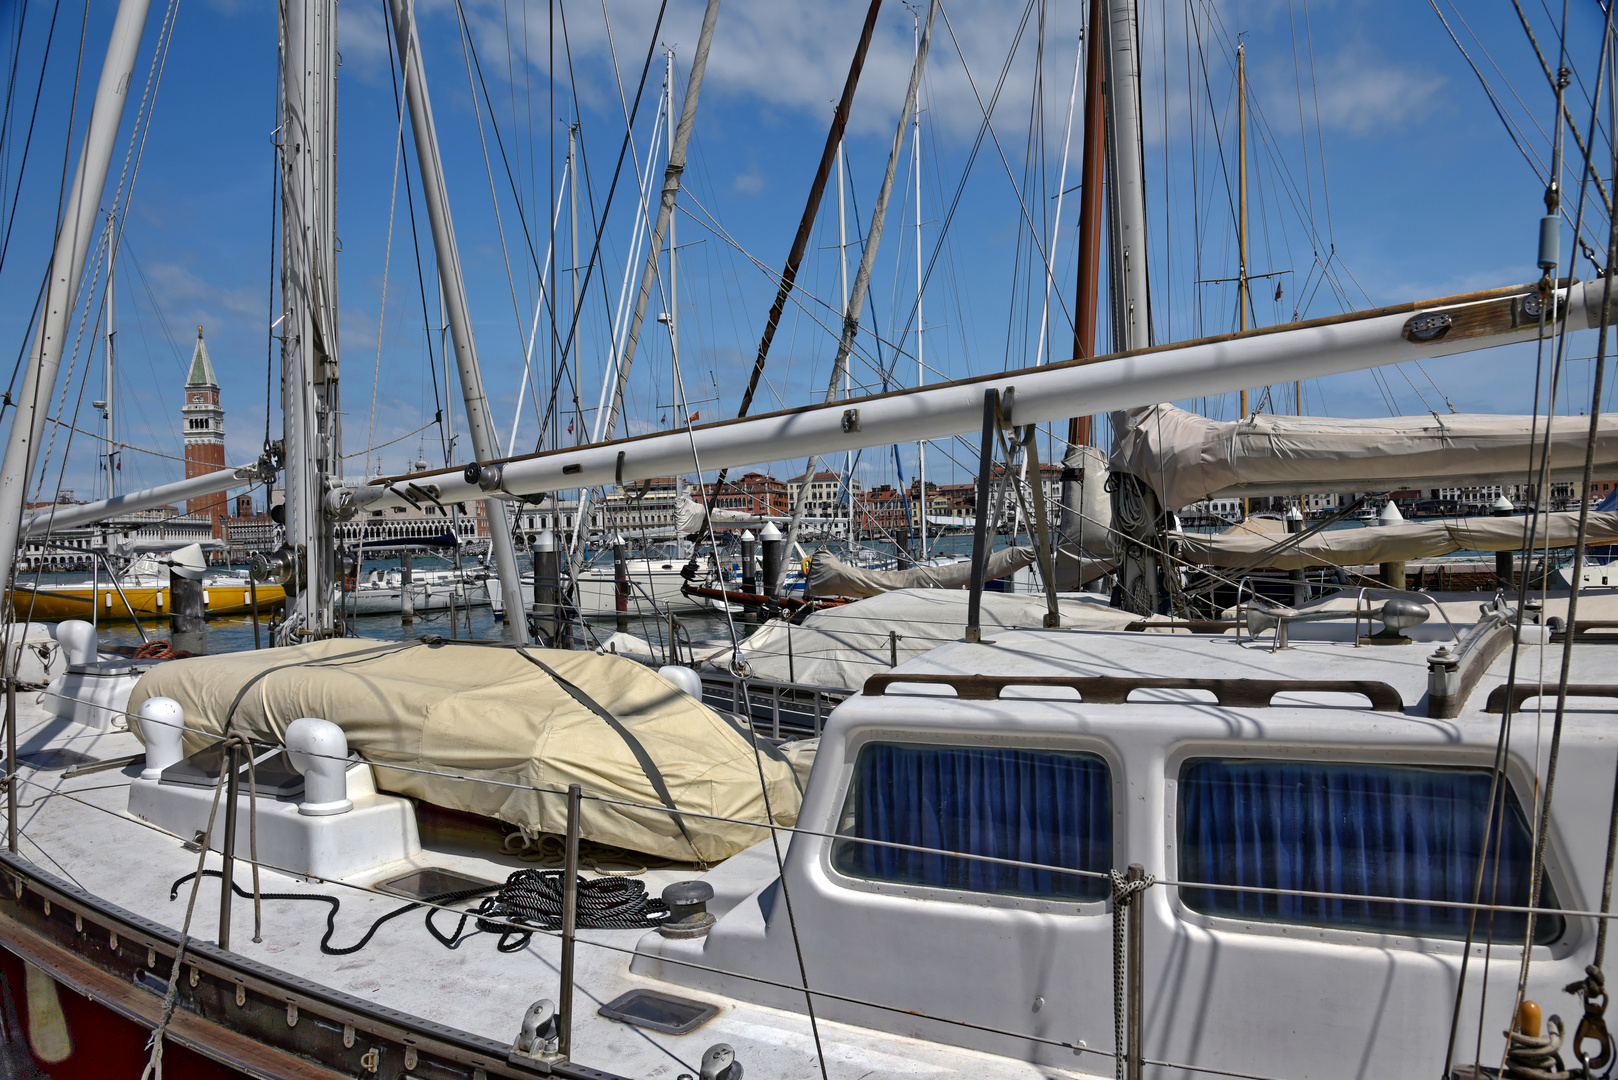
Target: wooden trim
[1105, 690]
[232, 1049]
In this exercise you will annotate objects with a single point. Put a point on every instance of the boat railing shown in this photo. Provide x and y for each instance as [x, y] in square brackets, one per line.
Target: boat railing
[95, 586]
[792, 707]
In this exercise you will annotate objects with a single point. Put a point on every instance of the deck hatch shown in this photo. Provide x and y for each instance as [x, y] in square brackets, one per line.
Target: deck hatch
[659, 1011]
[432, 882]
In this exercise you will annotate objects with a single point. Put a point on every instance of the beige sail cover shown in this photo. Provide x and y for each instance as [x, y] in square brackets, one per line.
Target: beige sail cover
[830, 576]
[1186, 457]
[844, 646]
[1394, 543]
[470, 713]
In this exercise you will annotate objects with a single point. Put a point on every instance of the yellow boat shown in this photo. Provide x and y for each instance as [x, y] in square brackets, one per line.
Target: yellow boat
[53, 603]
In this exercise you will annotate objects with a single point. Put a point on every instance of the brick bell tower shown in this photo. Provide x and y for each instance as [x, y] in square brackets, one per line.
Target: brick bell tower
[204, 424]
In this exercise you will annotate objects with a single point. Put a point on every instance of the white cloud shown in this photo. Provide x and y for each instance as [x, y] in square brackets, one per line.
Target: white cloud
[796, 56]
[751, 182]
[1360, 91]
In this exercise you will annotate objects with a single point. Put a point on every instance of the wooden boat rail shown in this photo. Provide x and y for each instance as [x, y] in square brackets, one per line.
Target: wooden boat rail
[1115, 690]
[1499, 696]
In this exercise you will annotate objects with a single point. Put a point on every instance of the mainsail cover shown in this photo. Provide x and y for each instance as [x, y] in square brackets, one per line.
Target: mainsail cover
[531, 720]
[1394, 543]
[1186, 458]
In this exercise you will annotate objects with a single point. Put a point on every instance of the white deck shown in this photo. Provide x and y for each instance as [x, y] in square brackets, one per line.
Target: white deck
[96, 845]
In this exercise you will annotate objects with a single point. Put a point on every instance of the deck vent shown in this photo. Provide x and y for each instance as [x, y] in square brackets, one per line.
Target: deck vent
[659, 1011]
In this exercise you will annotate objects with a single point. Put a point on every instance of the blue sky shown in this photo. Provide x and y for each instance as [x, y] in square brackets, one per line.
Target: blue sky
[1380, 173]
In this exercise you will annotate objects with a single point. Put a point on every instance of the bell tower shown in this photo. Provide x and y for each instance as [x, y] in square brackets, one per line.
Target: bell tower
[203, 421]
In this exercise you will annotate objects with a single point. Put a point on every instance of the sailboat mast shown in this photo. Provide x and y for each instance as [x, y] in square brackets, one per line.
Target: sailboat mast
[1092, 170]
[1241, 195]
[921, 368]
[842, 288]
[1126, 177]
[573, 252]
[38, 384]
[674, 281]
[1241, 202]
[458, 318]
[309, 404]
[109, 455]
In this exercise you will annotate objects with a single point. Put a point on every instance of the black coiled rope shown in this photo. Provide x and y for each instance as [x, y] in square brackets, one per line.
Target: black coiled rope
[530, 900]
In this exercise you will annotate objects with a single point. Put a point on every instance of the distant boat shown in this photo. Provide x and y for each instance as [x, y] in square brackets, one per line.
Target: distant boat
[140, 592]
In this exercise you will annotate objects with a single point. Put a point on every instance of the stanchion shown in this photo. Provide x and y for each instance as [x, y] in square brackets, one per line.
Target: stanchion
[570, 918]
[228, 866]
[11, 759]
[1132, 961]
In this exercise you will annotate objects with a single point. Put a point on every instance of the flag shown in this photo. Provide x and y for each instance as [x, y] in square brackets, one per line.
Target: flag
[570, 427]
[693, 418]
[1278, 292]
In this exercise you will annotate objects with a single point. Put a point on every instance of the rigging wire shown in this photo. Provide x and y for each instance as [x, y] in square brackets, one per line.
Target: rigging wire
[28, 140]
[415, 237]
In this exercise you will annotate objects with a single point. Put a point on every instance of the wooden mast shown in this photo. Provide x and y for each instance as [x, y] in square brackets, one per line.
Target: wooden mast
[1092, 169]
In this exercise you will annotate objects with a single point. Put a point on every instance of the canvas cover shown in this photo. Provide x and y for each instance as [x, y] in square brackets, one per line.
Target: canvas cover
[830, 576]
[1394, 543]
[1186, 457]
[844, 646]
[536, 718]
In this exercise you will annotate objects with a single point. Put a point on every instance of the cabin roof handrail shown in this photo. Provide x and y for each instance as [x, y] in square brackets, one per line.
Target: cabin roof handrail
[1521, 692]
[1115, 689]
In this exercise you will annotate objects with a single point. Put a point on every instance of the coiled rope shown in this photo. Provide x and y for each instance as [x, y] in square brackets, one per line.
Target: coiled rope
[160, 650]
[530, 900]
[1123, 895]
[1536, 1057]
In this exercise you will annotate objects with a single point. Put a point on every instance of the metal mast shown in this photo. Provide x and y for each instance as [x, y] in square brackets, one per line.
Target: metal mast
[1126, 182]
[672, 316]
[921, 370]
[479, 421]
[1241, 200]
[109, 456]
[573, 257]
[309, 405]
[38, 384]
[842, 286]
[1241, 197]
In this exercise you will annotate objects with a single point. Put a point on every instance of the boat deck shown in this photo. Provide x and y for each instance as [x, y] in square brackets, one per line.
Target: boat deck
[78, 829]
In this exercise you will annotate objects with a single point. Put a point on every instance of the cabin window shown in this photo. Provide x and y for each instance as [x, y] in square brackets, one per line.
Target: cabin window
[1410, 832]
[1048, 807]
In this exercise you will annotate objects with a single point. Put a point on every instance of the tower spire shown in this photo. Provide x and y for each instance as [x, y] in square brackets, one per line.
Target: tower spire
[201, 367]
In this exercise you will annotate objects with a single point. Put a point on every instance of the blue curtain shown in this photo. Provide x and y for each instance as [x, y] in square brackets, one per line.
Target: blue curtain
[1038, 806]
[1382, 830]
